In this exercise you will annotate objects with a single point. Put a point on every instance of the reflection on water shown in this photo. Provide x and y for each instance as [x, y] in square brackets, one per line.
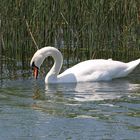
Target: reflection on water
[95, 91]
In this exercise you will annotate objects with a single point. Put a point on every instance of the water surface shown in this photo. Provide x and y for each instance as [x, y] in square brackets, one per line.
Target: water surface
[29, 110]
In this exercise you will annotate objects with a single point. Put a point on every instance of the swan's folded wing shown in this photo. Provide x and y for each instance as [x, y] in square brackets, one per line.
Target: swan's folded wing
[96, 70]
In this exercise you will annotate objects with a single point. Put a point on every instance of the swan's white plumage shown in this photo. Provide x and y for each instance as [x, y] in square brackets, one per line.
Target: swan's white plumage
[90, 70]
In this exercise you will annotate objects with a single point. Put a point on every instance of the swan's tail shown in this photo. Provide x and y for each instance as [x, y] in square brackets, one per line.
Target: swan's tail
[132, 65]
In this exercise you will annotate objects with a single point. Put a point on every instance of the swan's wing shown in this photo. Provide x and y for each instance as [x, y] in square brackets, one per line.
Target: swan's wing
[94, 70]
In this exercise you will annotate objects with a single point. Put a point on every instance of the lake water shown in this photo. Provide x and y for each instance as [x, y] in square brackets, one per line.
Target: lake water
[29, 110]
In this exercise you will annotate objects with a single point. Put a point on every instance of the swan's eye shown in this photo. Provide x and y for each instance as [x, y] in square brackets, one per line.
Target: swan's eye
[33, 65]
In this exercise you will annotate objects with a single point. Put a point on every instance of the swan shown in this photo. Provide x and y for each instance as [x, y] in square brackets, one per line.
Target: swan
[86, 71]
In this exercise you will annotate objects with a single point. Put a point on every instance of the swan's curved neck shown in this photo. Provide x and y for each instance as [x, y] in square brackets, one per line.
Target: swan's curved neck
[58, 60]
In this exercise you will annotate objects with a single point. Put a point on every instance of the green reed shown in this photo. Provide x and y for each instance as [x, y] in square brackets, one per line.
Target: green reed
[82, 29]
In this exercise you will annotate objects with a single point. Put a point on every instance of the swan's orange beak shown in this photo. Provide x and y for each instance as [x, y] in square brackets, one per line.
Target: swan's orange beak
[35, 72]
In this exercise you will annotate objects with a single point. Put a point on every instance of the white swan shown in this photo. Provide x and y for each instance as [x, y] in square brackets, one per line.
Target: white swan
[86, 71]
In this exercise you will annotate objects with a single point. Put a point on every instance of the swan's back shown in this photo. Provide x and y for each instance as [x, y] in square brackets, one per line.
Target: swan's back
[95, 70]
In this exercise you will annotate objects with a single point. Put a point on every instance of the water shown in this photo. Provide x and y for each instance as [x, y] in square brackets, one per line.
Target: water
[29, 110]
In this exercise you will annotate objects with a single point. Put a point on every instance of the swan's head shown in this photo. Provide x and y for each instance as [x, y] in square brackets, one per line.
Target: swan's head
[37, 60]
[41, 54]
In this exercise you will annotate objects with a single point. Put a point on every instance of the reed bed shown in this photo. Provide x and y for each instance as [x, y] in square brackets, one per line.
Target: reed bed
[81, 29]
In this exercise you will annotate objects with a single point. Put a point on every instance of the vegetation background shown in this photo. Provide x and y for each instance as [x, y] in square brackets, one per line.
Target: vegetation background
[81, 29]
